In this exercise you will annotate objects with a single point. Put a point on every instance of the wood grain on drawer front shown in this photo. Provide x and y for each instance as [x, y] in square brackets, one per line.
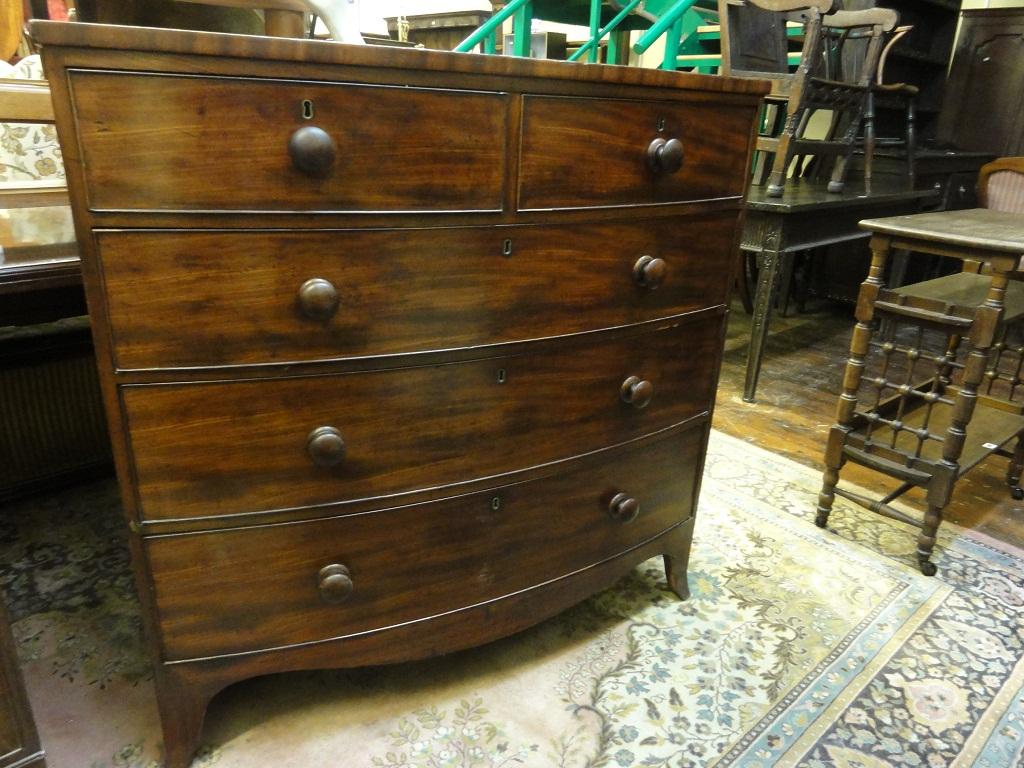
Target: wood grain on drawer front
[411, 562]
[594, 152]
[216, 298]
[233, 447]
[214, 143]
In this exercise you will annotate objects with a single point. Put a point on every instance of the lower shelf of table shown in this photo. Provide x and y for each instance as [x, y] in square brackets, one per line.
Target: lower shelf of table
[990, 429]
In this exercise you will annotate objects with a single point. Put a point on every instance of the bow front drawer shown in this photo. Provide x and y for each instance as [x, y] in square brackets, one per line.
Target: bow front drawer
[169, 142]
[339, 576]
[224, 448]
[225, 298]
[583, 153]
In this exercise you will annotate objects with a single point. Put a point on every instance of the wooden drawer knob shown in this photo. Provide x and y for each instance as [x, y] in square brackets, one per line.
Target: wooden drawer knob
[623, 508]
[335, 583]
[318, 299]
[649, 272]
[637, 392]
[665, 156]
[312, 151]
[325, 447]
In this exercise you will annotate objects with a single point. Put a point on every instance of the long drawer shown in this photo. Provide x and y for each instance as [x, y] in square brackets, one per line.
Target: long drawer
[221, 448]
[226, 143]
[271, 588]
[178, 299]
[580, 153]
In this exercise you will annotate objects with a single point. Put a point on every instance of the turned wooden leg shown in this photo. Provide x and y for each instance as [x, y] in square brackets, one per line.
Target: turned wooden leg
[677, 556]
[1016, 467]
[783, 157]
[982, 335]
[847, 405]
[926, 539]
[182, 702]
[833, 463]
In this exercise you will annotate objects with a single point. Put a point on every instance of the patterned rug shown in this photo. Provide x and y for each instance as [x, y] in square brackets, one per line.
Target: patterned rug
[798, 648]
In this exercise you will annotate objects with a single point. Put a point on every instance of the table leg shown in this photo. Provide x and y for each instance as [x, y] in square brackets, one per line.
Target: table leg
[983, 334]
[845, 410]
[898, 273]
[767, 280]
[1014, 471]
[788, 264]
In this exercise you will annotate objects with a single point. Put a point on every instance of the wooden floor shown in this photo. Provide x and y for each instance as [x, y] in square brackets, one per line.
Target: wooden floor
[796, 400]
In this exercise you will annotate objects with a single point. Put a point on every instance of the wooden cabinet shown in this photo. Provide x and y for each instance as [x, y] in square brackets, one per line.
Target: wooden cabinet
[19, 742]
[983, 110]
[402, 351]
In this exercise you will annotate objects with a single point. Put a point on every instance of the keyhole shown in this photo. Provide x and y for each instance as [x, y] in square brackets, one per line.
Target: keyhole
[502, 375]
[496, 503]
[661, 125]
[506, 248]
[307, 109]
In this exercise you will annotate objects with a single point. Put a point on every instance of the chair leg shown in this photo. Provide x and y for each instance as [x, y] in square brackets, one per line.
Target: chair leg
[869, 139]
[911, 138]
[768, 128]
[760, 170]
[783, 156]
[838, 181]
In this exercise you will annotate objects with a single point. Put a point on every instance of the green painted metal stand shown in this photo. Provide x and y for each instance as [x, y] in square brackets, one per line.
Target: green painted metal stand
[689, 44]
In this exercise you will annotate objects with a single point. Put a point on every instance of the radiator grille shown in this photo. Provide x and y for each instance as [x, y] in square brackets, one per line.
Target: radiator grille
[51, 416]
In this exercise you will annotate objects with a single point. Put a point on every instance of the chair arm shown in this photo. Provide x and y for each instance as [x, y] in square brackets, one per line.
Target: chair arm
[895, 38]
[906, 89]
[782, 6]
[839, 84]
[886, 18]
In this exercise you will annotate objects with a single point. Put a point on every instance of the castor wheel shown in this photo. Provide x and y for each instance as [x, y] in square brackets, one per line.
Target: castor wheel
[1017, 492]
[927, 567]
[821, 519]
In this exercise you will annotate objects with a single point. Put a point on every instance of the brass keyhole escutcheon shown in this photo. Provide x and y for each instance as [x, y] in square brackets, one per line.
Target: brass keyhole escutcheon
[506, 248]
[660, 126]
[502, 375]
[307, 109]
[496, 503]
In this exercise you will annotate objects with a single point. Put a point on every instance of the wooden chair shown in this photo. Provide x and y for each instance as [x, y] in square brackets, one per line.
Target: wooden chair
[1001, 185]
[905, 91]
[755, 44]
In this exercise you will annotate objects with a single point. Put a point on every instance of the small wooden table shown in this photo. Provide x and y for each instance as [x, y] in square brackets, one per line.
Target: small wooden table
[928, 431]
[806, 216]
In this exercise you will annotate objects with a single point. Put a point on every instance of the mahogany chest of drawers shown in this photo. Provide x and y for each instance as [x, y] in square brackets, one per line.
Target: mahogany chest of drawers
[19, 741]
[403, 351]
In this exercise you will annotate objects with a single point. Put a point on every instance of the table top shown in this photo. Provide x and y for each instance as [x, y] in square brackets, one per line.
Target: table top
[37, 244]
[803, 196]
[976, 228]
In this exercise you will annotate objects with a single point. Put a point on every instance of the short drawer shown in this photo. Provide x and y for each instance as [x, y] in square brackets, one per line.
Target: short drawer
[182, 299]
[580, 153]
[273, 585]
[221, 448]
[165, 142]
